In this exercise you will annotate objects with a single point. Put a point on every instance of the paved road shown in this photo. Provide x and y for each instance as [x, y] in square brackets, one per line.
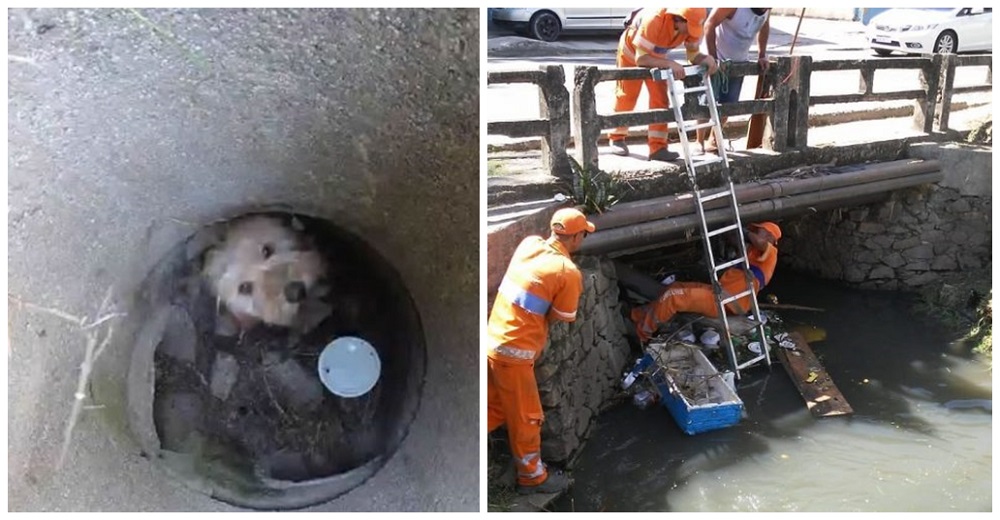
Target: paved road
[817, 37]
[127, 128]
[821, 39]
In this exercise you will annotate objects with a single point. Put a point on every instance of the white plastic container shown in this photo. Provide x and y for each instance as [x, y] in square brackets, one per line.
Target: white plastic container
[349, 367]
[710, 338]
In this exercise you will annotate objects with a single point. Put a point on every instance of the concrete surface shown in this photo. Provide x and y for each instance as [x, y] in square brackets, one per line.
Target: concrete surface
[130, 128]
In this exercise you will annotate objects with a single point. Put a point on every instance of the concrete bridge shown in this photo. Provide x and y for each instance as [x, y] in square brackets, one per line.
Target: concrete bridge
[853, 149]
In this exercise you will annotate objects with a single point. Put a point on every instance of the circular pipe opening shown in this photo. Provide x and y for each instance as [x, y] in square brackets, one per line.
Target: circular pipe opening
[224, 385]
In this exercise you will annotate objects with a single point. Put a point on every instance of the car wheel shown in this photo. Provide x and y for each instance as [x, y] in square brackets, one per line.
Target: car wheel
[545, 26]
[946, 43]
[882, 52]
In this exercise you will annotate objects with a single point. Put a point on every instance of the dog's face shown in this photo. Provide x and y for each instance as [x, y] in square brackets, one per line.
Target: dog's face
[263, 271]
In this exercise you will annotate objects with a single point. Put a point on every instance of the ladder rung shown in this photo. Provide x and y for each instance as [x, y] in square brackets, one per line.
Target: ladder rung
[692, 90]
[714, 196]
[706, 162]
[730, 263]
[753, 361]
[722, 230]
[698, 126]
[736, 297]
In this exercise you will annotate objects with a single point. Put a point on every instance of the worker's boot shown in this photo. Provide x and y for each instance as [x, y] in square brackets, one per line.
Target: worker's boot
[556, 482]
[664, 155]
[619, 148]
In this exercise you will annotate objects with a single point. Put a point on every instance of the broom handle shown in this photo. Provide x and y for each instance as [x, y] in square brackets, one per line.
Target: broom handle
[796, 37]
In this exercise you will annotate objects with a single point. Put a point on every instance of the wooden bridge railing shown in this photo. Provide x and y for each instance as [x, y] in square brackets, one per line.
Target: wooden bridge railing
[787, 109]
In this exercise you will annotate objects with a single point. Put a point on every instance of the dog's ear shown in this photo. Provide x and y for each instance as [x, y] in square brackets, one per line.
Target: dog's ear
[198, 245]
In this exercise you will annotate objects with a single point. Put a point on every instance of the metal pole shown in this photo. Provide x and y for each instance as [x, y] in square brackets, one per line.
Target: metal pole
[796, 37]
[647, 235]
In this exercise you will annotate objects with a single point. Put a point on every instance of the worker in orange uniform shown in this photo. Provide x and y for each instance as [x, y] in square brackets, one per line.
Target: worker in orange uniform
[649, 34]
[541, 285]
[699, 297]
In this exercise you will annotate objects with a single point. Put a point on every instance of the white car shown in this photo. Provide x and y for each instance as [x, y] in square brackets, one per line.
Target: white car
[941, 30]
[547, 24]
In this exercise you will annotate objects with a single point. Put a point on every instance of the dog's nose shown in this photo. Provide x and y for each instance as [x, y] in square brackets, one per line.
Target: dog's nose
[295, 292]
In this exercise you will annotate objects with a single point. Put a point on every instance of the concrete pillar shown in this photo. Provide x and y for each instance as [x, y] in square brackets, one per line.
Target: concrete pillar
[586, 129]
[554, 106]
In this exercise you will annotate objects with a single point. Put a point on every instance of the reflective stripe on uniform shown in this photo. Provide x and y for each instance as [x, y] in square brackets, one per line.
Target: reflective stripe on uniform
[628, 53]
[527, 460]
[524, 299]
[657, 134]
[514, 352]
[759, 274]
[648, 46]
[566, 315]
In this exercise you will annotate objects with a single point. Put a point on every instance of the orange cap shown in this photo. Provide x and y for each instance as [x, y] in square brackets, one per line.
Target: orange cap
[695, 17]
[569, 221]
[771, 228]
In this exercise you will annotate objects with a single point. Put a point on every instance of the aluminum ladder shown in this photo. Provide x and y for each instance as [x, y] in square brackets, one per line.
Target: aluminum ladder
[677, 92]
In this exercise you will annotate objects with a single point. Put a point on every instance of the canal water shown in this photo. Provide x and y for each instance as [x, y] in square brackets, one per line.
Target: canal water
[919, 438]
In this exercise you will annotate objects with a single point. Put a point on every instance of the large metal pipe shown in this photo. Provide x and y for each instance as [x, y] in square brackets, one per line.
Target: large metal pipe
[654, 233]
[672, 205]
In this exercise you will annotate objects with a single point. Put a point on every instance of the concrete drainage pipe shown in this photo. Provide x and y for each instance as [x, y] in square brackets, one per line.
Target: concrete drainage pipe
[243, 415]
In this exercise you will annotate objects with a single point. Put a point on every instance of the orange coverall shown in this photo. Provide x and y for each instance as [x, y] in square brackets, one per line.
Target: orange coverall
[652, 32]
[541, 284]
[699, 297]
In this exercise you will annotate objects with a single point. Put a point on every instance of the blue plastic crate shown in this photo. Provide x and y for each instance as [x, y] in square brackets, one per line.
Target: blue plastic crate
[718, 408]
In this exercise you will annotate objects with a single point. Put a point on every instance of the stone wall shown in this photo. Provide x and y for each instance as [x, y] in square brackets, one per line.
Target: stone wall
[579, 371]
[918, 237]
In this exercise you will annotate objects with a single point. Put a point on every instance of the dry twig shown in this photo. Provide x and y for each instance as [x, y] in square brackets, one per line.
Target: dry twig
[274, 401]
[98, 340]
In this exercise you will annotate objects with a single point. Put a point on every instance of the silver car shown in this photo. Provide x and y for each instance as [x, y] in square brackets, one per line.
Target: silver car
[931, 30]
[547, 24]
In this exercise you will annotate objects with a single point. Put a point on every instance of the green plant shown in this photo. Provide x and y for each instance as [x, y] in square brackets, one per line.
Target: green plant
[982, 133]
[594, 189]
[975, 330]
[982, 330]
[495, 168]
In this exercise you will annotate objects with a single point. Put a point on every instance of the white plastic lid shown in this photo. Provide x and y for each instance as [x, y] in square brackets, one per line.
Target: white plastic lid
[710, 338]
[349, 366]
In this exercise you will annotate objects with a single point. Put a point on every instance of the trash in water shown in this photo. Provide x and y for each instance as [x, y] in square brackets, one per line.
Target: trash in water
[643, 399]
[640, 365]
[710, 338]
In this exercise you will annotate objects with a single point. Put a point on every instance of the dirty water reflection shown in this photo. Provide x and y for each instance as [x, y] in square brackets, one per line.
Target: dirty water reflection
[919, 440]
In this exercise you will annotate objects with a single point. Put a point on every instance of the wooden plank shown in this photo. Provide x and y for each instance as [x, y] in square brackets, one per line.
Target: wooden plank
[515, 76]
[859, 98]
[755, 131]
[822, 396]
[514, 129]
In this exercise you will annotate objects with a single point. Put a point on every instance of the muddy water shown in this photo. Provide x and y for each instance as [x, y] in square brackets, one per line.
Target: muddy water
[919, 438]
